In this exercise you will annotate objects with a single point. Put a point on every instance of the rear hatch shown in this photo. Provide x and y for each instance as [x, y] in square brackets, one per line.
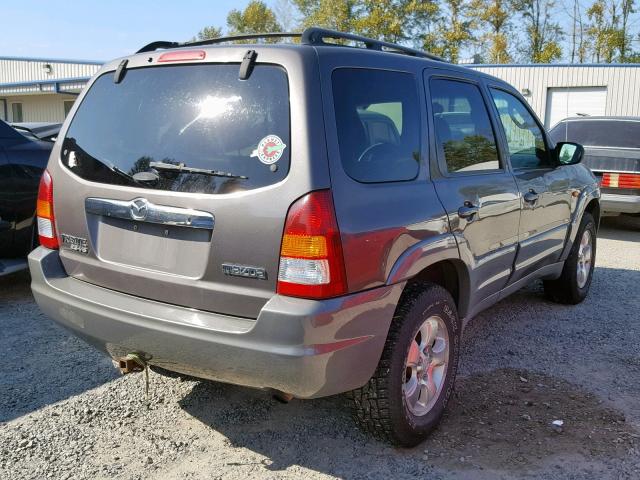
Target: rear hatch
[173, 183]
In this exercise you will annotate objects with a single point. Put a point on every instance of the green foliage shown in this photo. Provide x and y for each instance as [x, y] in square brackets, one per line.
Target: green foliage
[257, 17]
[452, 32]
[208, 33]
[493, 20]
[608, 30]
[334, 14]
[389, 20]
[542, 42]
[500, 30]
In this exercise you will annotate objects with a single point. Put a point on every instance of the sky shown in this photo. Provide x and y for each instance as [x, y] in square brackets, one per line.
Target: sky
[103, 29]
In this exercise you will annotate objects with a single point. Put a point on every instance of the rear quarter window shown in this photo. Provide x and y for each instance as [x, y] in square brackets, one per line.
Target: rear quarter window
[194, 116]
[378, 124]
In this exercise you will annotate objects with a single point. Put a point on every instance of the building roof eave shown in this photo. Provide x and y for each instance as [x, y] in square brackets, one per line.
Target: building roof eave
[52, 60]
[36, 87]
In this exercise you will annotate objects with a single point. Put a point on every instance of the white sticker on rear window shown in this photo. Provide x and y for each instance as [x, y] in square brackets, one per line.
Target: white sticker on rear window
[269, 150]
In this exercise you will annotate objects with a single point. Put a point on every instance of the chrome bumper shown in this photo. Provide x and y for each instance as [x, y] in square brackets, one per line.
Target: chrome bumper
[615, 203]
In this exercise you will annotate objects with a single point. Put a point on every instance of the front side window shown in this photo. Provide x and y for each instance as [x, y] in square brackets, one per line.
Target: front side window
[464, 135]
[378, 124]
[188, 128]
[527, 148]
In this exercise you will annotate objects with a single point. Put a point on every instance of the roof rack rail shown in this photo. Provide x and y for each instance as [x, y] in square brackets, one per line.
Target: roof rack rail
[316, 36]
[311, 36]
[232, 38]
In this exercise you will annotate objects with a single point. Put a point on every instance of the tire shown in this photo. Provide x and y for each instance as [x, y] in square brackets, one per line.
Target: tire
[381, 407]
[572, 287]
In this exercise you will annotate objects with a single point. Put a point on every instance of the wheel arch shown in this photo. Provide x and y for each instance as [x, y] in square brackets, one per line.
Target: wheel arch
[437, 261]
[593, 207]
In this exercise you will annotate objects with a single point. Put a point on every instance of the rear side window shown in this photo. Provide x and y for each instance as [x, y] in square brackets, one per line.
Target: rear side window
[598, 133]
[378, 123]
[160, 123]
[464, 135]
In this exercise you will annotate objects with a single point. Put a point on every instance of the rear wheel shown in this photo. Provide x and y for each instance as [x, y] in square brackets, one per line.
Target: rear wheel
[406, 397]
[573, 285]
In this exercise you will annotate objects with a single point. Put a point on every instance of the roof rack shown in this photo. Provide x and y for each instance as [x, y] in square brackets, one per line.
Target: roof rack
[316, 36]
[311, 36]
[232, 38]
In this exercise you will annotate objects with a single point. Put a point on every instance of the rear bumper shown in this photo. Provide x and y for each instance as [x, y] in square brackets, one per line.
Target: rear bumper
[615, 203]
[303, 347]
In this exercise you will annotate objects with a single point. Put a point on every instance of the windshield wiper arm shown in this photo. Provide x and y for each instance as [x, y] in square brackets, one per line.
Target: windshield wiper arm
[182, 168]
[122, 173]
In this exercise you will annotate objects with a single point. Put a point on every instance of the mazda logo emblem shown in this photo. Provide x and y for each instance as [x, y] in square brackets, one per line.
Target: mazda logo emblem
[139, 209]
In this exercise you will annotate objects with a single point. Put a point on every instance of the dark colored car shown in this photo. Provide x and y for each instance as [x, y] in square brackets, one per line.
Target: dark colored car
[47, 131]
[22, 161]
[309, 218]
[612, 152]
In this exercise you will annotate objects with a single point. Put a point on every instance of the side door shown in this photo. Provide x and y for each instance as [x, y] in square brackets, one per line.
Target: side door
[473, 182]
[544, 186]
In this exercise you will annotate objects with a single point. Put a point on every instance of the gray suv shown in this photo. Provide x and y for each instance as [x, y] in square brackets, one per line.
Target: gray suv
[310, 217]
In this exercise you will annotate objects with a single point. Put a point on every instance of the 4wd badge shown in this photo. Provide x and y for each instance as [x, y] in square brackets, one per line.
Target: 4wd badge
[269, 150]
[77, 244]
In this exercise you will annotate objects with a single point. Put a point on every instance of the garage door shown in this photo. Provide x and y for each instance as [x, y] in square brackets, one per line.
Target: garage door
[574, 102]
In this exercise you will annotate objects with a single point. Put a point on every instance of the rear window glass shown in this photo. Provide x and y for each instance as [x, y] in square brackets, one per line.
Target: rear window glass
[378, 124]
[598, 133]
[189, 128]
[464, 135]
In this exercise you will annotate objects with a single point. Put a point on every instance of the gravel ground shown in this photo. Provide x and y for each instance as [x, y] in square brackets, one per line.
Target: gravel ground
[65, 413]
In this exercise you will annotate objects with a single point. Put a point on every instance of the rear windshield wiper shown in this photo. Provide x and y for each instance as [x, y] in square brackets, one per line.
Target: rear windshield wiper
[182, 168]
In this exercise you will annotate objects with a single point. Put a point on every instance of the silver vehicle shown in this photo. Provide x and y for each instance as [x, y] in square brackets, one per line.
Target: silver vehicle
[612, 152]
[310, 218]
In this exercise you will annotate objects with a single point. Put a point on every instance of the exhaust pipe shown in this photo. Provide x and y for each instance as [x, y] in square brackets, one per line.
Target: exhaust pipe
[135, 362]
[130, 365]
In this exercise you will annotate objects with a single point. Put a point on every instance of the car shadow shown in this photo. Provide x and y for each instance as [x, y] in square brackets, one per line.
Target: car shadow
[43, 363]
[622, 227]
[499, 419]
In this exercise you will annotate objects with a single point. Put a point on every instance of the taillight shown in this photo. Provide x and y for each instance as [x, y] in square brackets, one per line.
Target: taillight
[44, 213]
[311, 260]
[620, 180]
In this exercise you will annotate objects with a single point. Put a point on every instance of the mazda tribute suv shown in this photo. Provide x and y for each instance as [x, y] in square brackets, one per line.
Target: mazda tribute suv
[311, 218]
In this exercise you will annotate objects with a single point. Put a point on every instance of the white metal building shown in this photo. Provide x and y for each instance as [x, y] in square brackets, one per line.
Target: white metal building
[568, 90]
[41, 89]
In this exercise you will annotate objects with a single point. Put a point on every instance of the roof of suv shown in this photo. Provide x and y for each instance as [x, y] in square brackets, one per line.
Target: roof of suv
[317, 38]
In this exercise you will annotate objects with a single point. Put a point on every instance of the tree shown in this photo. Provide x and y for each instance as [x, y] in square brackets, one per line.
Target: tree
[286, 15]
[394, 20]
[257, 17]
[453, 31]
[334, 14]
[628, 8]
[389, 20]
[494, 22]
[579, 44]
[208, 33]
[603, 31]
[543, 35]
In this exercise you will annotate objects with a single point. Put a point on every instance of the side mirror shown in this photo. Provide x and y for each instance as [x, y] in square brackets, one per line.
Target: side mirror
[569, 153]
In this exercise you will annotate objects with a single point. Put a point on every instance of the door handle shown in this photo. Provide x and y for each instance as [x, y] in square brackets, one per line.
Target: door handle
[531, 197]
[468, 210]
